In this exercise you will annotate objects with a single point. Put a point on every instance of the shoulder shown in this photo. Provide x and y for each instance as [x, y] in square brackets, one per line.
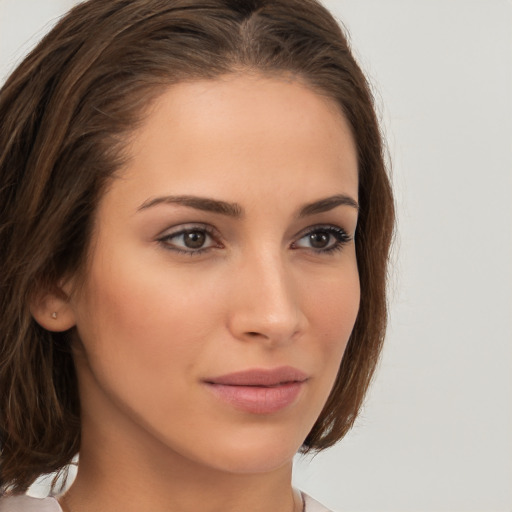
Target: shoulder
[24, 503]
[310, 504]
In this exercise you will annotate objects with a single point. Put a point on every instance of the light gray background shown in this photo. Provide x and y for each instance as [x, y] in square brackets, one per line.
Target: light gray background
[436, 432]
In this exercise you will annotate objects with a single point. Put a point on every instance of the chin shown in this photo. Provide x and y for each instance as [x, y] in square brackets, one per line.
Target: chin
[251, 449]
[253, 460]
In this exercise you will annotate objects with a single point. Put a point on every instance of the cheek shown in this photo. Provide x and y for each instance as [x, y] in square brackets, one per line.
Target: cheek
[144, 333]
[137, 318]
[333, 313]
[333, 306]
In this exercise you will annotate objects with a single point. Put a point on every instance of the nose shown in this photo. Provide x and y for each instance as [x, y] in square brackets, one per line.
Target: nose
[265, 304]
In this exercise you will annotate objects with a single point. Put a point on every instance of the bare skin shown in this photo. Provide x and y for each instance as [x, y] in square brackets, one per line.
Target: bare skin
[177, 296]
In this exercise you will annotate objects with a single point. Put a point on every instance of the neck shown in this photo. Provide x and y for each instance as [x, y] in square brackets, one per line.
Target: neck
[137, 473]
[177, 490]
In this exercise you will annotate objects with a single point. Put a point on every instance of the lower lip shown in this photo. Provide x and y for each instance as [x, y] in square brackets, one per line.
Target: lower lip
[258, 399]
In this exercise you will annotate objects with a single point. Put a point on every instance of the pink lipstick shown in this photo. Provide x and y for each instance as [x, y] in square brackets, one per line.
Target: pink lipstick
[259, 391]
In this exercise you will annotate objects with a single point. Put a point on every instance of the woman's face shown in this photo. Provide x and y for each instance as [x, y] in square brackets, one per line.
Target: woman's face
[222, 285]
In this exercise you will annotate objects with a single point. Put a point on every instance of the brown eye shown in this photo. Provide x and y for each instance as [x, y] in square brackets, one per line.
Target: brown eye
[194, 239]
[323, 239]
[319, 239]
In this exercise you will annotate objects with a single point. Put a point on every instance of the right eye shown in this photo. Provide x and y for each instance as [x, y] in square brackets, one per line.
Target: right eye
[193, 240]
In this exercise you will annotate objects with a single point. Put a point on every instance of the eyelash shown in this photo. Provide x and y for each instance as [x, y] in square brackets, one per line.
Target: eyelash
[201, 228]
[340, 235]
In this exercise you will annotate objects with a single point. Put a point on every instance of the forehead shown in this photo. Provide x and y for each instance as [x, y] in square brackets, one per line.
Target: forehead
[242, 132]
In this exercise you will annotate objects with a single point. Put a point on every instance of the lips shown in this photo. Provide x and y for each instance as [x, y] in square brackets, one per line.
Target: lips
[259, 391]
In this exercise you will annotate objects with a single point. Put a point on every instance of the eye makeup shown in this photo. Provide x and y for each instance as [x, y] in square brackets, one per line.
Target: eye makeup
[324, 239]
[191, 239]
[196, 239]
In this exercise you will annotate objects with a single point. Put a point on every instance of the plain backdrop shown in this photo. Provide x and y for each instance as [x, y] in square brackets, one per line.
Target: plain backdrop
[436, 431]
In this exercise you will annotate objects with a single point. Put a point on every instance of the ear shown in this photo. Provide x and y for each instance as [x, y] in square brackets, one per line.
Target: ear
[52, 310]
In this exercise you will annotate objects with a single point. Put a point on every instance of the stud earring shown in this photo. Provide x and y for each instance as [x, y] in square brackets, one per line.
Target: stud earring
[54, 315]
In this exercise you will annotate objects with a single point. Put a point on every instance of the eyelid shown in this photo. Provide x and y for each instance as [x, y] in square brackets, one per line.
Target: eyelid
[319, 227]
[339, 233]
[188, 226]
[342, 236]
[181, 229]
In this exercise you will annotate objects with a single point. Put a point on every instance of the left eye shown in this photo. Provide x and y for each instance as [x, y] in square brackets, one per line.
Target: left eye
[189, 240]
[323, 239]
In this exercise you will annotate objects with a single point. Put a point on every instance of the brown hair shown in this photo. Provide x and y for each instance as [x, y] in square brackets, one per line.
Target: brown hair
[64, 115]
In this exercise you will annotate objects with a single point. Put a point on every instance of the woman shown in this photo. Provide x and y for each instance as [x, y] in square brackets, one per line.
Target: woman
[194, 234]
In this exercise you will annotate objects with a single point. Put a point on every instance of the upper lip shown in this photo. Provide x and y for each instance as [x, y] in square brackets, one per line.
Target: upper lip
[260, 377]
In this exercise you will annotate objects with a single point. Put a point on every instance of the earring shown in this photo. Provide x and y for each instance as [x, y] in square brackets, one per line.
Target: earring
[54, 315]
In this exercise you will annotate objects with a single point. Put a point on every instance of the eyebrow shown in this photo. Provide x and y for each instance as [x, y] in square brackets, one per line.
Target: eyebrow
[329, 203]
[236, 211]
[199, 203]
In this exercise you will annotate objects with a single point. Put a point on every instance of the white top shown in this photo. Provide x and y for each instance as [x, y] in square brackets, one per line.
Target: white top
[27, 504]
